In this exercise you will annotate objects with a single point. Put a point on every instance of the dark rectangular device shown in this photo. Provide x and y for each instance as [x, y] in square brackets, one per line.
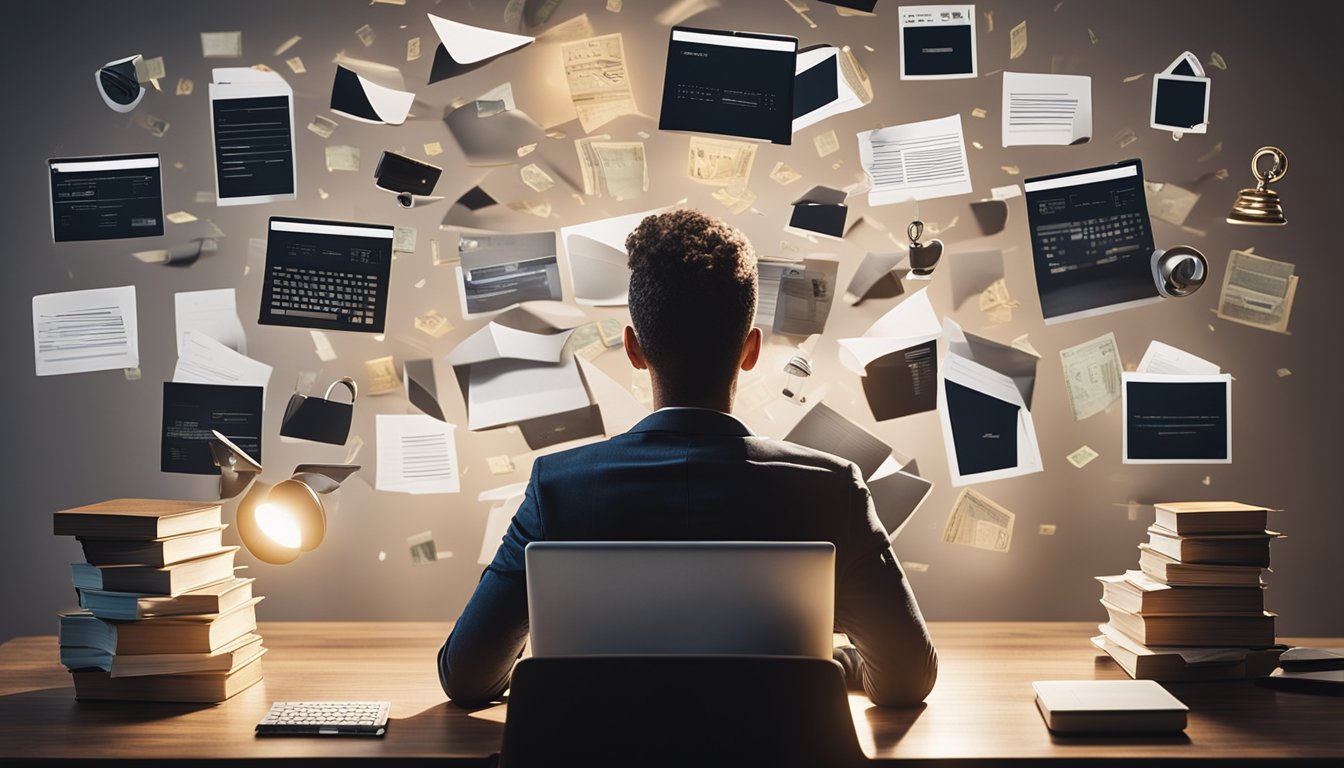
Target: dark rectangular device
[254, 149]
[329, 275]
[105, 198]
[192, 411]
[1091, 240]
[732, 83]
[398, 173]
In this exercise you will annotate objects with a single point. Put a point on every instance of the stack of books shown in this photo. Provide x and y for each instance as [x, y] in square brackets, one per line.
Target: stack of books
[162, 616]
[1195, 609]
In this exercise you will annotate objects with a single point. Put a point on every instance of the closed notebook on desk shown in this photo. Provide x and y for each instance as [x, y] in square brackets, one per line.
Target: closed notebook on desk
[1108, 706]
[137, 519]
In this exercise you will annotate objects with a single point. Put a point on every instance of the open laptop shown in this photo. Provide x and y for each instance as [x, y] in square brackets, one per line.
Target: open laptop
[684, 598]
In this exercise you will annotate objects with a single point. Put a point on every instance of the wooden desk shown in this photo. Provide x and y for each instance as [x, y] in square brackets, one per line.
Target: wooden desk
[981, 711]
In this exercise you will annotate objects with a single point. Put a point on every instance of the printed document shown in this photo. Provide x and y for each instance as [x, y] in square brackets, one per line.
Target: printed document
[916, 161]
[81, 331]
[416, 454]
[1046, 109]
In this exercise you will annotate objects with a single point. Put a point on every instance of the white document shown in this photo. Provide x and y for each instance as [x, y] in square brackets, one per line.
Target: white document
[909, 323]
[249, 139]
[962, 457]
[1168, 360]
[506, 500]
[1017, 363]
[915, 161]
[81, 331]
[495, 341]
[1046, 109]
[416, 454]
[620, 410]
[1092, 375]
[598, 262]
[852, 87]
[508, 391]
[203, 360]
[468, 45]
[213, 313]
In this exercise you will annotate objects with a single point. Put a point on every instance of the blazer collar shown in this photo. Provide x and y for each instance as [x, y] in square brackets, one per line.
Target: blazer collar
[700, 421]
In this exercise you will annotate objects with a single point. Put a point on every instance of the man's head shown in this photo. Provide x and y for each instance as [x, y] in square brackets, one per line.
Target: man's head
[692, 302]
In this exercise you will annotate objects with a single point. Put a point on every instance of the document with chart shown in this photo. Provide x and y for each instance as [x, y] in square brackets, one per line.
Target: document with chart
[81, 331]
[252, 125]
[915, 161]
[1046, 109]
[105, 198]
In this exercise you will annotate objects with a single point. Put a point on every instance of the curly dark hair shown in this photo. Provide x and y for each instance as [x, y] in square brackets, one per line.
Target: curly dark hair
[692, 299]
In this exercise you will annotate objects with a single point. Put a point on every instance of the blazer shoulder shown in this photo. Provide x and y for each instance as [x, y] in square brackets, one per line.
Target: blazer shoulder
[770, 449]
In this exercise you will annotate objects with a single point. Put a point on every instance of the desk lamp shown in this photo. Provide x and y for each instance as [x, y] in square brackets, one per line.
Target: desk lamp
[278, 522]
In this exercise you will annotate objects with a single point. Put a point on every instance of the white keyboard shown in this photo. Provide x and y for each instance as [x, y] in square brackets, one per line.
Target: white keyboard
[326, 718]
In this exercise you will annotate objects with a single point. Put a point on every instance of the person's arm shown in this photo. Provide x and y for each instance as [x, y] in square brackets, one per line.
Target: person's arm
[874, 605]
[476, 662]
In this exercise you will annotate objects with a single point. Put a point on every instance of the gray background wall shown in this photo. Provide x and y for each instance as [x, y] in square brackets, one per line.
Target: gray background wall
[76, 439]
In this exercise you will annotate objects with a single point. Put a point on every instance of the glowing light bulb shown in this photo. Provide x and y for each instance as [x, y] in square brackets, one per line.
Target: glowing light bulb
[279, 525]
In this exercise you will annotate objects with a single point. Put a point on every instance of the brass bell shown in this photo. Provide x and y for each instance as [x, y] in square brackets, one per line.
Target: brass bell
[1261, 205]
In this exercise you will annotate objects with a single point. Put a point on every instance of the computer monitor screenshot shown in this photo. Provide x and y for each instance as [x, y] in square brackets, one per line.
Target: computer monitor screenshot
[501, 270]
[734, 83]
[1091, 241]
[105, 198]
[326, 274]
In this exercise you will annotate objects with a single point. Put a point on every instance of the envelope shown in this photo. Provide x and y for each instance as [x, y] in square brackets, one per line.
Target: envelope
[820, 211]
[463, 47]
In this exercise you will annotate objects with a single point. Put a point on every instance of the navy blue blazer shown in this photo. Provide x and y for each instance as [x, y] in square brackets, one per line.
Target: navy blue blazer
[691, 474]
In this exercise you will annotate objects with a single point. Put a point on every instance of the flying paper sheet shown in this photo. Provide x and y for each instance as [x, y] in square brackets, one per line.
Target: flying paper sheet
[463, 47]
[213, 313]
[1046, 109]
[987, 427]
[360, 98]
[1257, 291]
[916, 161]
[496, 341]
[203, 360]
[598, 262]
[416, 454]
[719, 162]
[871, 271]
[976, 521]
[827, 81]
[898, 359]
[795, 298]
[615, 169]
[598, 83]
[507, 391]
[505, 504]
[498, 271]
[81, 331]
[1017, 362]
[1092, 375]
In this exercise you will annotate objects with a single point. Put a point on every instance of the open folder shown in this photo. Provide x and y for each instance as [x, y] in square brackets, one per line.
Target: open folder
[986, 419]
[898, 359]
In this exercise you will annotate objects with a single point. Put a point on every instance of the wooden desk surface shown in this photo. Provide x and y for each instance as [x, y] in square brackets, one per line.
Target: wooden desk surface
[981, 710]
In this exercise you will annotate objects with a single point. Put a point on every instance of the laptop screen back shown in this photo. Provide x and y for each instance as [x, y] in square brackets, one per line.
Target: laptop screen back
[684, 598]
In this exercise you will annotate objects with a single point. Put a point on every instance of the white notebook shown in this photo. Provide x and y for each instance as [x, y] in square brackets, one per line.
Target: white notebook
[1108, 706]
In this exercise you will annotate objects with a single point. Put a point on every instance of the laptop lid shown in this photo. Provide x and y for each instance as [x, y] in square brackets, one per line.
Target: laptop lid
[685, 598]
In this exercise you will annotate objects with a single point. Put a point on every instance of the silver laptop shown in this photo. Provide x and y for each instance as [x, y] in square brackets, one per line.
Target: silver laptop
[695, 598]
